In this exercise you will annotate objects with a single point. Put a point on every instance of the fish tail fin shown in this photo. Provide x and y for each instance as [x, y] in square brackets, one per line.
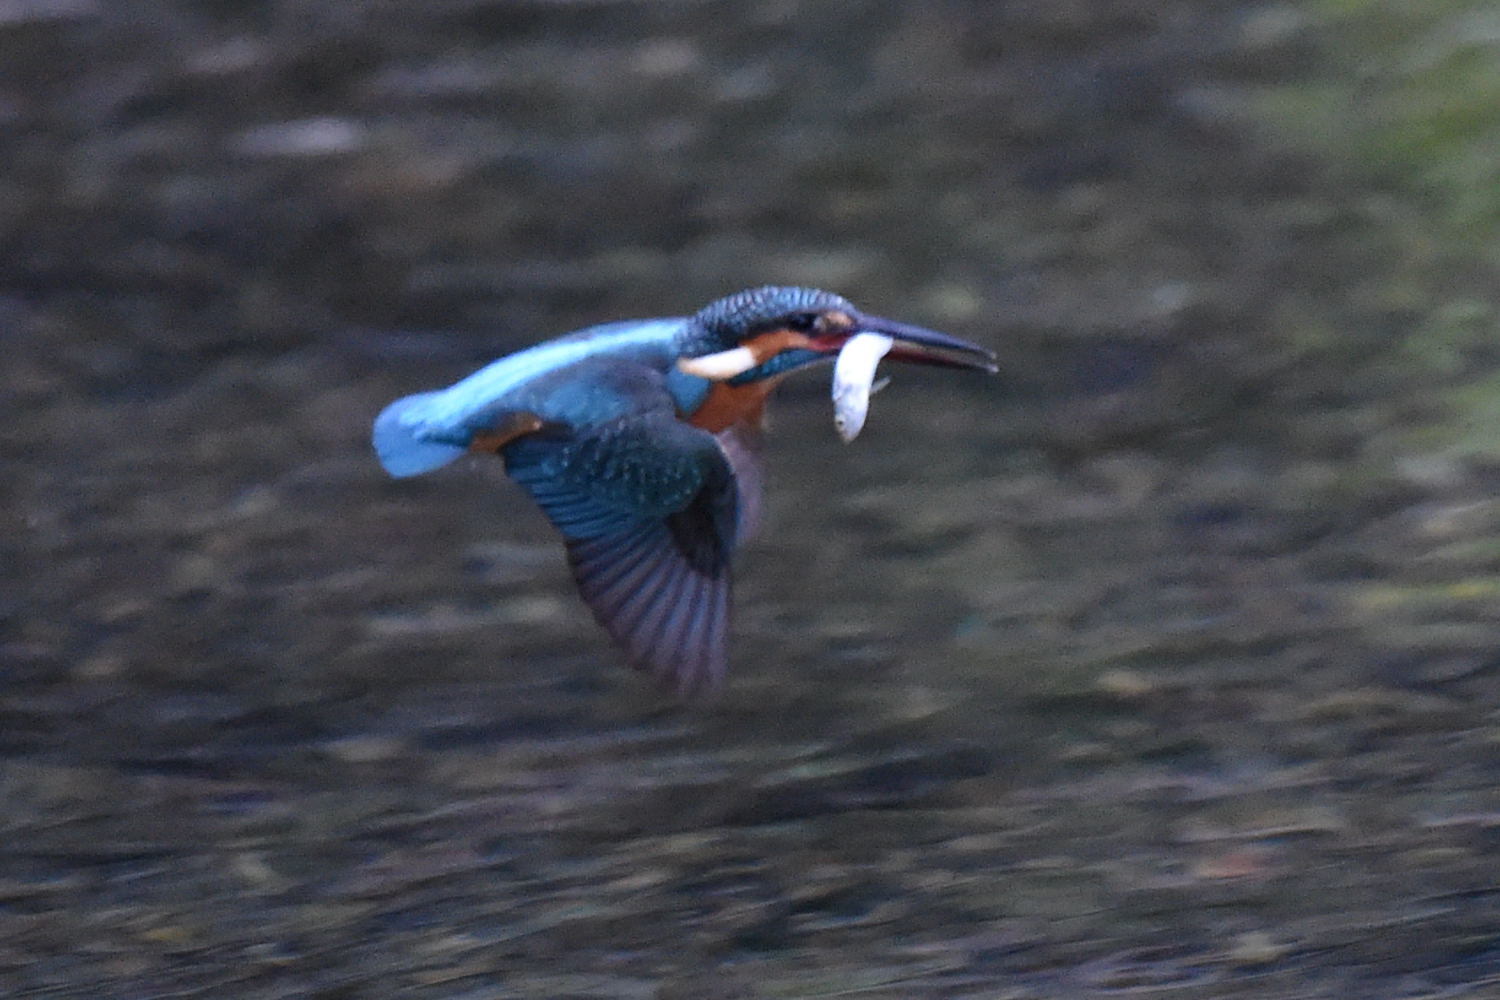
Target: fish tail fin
[401, 441]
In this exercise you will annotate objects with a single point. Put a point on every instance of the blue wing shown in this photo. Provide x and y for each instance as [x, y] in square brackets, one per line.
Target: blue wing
[650, 509]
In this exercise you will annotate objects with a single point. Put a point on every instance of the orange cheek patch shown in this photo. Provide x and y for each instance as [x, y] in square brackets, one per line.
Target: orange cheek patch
[727, 405]
[767, 345]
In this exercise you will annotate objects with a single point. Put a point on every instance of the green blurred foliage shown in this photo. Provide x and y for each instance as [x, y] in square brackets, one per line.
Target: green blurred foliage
[1414, 98]
[1409, 98]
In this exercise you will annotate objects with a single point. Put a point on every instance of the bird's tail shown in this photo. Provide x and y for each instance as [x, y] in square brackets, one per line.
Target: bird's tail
[402, 440]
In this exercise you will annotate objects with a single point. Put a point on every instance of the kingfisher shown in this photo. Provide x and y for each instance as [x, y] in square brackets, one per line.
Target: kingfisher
[641, 442]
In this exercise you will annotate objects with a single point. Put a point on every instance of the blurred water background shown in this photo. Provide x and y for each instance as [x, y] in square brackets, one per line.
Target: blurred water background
[1162, 665]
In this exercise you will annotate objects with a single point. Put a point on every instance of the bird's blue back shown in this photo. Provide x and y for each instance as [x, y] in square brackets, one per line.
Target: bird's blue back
[422, 432]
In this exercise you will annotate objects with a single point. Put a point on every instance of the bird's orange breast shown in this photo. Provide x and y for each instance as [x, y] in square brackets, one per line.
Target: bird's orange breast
[727, 405]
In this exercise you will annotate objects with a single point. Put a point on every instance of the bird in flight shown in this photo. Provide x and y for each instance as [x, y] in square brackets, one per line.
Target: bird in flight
[641, 442]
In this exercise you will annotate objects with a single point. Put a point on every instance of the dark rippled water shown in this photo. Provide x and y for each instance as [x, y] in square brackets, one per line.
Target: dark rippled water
[1148, 668]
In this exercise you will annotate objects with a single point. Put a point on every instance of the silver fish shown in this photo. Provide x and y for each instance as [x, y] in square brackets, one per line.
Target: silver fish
[854, 381]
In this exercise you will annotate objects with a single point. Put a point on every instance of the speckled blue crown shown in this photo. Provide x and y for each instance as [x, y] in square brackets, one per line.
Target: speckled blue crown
[727, 321]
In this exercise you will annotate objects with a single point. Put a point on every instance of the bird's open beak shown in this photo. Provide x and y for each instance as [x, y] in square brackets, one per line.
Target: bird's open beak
[928, 347]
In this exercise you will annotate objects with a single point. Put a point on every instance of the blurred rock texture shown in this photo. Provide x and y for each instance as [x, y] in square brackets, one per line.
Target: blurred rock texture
[1162, 665]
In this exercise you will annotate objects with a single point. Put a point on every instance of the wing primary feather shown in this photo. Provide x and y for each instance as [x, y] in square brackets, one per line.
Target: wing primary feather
[601, 563]
[651, 562]
[632, 610]
[609, 598]
[636, 623]
[716, 659]
[693, 651]
[682, 624]
[616, 600]
[700, 640]
[653, 642]
[668, 617]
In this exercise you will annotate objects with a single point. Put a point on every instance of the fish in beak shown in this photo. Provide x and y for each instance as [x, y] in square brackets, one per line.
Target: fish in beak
[854, 371]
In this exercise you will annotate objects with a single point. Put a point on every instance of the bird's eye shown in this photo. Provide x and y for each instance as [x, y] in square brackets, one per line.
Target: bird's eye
[803, 322]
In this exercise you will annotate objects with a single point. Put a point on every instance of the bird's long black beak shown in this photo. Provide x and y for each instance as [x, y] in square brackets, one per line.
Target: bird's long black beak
[928, 347]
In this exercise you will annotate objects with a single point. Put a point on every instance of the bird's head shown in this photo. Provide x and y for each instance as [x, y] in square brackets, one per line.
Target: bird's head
[763, 332]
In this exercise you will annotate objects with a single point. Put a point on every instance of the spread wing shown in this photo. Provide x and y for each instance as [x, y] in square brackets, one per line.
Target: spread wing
[650, 509]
